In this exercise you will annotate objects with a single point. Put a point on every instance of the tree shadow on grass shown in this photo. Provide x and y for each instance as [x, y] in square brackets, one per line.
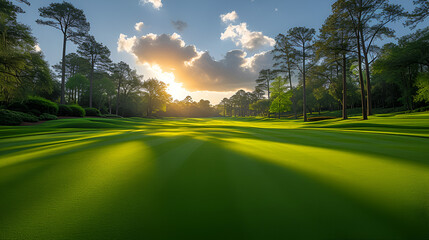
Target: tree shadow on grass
[189, 184]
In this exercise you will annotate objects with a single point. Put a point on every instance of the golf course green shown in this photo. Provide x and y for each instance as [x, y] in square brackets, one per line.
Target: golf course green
[217, 178]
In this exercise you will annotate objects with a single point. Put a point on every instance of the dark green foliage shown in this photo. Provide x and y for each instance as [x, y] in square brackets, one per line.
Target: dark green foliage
[42, 105]
[77, 111]
[8, 117]
[47, 117]
[64, 110]
[93, 112]
[18, 106]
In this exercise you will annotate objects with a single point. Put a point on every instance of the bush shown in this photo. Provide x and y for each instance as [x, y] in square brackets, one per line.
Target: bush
[42, 105]
[47, 117]
[93, 112]
[77, 111]
[18, 107]
[8, 117]
[25, 117]
[64, 110]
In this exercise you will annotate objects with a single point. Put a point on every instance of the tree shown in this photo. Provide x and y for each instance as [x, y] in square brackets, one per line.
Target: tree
[285, 61]
[264, 79]
[97, 55]
[350, 9]
[422, 84]
[120, 71]
[334, 45]
[419, 14]
[71, 22]
[77, 84]
[302, 38]
[156, 95]
[369, 19]
[16, 44]
[281, 97]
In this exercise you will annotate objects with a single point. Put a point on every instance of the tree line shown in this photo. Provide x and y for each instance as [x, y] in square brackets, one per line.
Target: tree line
[88, 77]
[341, 67]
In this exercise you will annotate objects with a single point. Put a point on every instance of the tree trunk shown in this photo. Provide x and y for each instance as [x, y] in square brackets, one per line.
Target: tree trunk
[344, 87]
[63, 71]
[368, 76]
[117, 97]
[362, 88]
[293, 94]
[91, 74]
[304, 97]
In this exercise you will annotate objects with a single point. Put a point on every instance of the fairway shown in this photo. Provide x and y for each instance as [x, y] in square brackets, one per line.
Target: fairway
[218, 178]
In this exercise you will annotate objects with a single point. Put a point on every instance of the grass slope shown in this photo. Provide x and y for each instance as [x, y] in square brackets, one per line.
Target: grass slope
[216, 179]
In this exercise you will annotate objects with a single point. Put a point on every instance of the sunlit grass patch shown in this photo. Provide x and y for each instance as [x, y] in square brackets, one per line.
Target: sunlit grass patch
[216, 178]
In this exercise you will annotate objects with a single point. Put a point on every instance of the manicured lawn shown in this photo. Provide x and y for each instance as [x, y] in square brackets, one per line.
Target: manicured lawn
[216, 179]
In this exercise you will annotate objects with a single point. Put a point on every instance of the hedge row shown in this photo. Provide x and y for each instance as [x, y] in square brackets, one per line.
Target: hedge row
[8, 117]
[36, 109]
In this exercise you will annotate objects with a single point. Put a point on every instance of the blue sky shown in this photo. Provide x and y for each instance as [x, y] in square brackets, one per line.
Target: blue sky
[109, 19]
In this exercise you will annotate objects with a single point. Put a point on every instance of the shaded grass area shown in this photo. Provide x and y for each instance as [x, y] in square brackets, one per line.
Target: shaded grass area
[226, 178]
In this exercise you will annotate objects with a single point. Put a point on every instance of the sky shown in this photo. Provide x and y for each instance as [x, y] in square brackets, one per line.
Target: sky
[203, 48]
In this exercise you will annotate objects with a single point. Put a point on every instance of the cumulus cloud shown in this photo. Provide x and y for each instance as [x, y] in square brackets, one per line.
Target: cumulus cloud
[245, 38]
[157, 4]
[37, 48]
[179, 25]
[229, 17]
[139, 26]
[197, 71]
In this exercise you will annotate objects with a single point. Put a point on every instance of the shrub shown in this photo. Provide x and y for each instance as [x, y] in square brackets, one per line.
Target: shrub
[47, 117]
[64, 110]
[42, 105]
[93, 112]
[77, 111]
[25, 117]
[18, 106]
[8, 117]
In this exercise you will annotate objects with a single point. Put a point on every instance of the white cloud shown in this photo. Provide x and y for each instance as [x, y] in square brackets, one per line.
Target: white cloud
[196, 70]
[229, 17]
[37, 48]
[245, 38]
[157, 4]
[139, 26]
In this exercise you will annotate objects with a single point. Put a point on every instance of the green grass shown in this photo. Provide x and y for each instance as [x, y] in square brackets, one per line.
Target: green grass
[233, 178]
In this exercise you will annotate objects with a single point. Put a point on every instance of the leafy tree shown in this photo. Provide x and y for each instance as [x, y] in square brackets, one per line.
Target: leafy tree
[281, 97]
[120, 73]
[422, 84]
[98, 56]
[16, 44]
[155, 93]
[71, 22]
[285, 61]
[302, 38]
[335, 46]
[77, 84]
[74, 64]
[261, 107]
